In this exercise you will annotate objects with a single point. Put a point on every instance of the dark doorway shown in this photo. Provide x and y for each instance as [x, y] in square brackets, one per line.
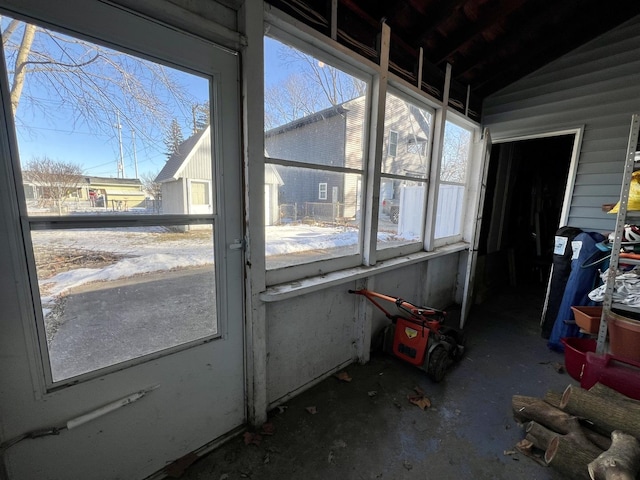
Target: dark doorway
[526, 184]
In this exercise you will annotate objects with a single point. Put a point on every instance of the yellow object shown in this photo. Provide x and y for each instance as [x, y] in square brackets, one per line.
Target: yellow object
[634, 194]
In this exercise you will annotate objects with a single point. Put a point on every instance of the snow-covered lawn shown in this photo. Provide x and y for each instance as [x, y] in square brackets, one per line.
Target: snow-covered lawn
[150, 249]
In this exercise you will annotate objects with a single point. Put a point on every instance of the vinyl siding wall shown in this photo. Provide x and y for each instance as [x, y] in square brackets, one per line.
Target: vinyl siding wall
[596, 86]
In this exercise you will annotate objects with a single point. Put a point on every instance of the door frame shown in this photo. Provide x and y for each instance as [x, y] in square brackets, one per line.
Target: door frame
[578, 133]
[27, 402]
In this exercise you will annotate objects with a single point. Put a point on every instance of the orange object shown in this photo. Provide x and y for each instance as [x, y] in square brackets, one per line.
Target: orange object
[587, 318]
[624, 336]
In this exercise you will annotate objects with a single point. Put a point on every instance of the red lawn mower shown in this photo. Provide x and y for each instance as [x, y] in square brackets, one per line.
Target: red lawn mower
[417, 335]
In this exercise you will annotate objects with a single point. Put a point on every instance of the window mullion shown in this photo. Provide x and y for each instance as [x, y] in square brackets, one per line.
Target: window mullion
[374, 165]
[436, 160]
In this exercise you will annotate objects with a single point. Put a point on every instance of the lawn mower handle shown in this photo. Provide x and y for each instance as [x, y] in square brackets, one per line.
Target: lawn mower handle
[400, 303]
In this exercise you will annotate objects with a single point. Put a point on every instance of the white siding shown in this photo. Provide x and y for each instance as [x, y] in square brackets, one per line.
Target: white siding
[598, 86]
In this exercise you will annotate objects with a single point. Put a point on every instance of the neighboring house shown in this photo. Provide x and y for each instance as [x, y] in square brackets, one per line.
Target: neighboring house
[114, 193]
[334, 137]
[186, 180]
[110, 193]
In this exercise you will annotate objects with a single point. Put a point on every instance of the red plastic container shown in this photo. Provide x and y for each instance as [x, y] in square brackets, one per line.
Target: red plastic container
[621, 374]
[575, 350]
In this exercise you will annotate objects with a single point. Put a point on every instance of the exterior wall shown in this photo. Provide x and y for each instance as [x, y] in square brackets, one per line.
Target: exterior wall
[198, 167]
[173, 197]
[321, 142]
[598, 86]
[355, 147]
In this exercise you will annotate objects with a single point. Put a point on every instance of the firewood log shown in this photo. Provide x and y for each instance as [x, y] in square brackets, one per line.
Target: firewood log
[604, 413]
[567, 456]
[539, 435]
[615, 396]
[553, 398]
[620, 462]
[532, 408]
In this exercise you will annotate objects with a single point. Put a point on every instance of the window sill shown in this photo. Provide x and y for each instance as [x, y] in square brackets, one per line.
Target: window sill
[286, 291]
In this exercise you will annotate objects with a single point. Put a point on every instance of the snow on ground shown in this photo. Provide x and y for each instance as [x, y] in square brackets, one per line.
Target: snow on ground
[152, 249]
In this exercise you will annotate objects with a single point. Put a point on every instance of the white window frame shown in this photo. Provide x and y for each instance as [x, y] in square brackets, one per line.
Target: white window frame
[279, 26]
[322, 190]
[464, 216]
[418, 245]
[393, 144]
[163, 51]
[327, 55]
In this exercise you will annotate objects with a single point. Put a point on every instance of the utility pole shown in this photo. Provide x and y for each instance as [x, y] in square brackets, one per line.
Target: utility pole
[135, 157]
[121, 162]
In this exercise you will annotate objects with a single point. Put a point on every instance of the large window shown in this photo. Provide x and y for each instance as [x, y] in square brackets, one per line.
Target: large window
[453, 179]
[403, 186]
[315, 114]
[107, 144]
[318, 163]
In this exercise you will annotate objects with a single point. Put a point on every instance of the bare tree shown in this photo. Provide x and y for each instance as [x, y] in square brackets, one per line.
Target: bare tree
[455, 154]
[153, 188]
[54, 180]
[317, 86]
[92, 83]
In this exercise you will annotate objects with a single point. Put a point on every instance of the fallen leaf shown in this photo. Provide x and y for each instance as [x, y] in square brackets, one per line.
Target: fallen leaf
[419, 391]
[266, 459]
[224, 476]
[419, 400]
[559, 367]
[252, 438]
[312, 410]
[267, 429]
[330, 457]
[343, 376]
[372, 393]
[510, 452]
[407, 465]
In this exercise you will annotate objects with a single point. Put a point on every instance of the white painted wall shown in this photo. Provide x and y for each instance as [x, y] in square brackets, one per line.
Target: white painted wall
[596, 85]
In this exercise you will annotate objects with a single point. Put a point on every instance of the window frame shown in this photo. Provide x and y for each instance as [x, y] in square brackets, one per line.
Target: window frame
[393, 144]
[418, 245]
[322, 190]
[278, 26]
[447, 240]
[165, 51]
[295, 272]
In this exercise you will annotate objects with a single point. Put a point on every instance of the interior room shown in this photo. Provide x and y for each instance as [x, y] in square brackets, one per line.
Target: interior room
[301, 238]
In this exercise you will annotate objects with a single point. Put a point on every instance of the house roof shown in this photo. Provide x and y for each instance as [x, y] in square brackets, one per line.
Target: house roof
[489, 43]
[177, 161]
[314, 117]
[135, 182]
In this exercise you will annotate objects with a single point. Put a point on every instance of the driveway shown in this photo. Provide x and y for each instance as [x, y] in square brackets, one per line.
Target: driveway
[109, 322]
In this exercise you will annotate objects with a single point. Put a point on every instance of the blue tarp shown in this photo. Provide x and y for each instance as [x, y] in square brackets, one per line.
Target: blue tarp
[582, 279]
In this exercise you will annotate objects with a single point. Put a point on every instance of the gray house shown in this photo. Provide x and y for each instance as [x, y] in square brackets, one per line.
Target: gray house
[333, 137]
[187, 181]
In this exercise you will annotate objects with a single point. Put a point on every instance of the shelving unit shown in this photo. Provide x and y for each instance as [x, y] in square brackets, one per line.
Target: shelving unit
[622, 219]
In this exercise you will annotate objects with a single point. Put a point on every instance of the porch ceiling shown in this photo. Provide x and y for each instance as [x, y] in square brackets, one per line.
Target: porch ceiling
[489, 43]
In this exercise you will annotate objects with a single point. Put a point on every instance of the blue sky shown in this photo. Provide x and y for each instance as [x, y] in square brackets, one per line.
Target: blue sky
[47, 125]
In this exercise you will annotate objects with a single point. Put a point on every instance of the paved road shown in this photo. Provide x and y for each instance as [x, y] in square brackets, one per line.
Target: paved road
[106, 323]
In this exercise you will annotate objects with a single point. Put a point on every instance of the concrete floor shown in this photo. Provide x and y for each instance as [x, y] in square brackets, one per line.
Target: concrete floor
[464, 435]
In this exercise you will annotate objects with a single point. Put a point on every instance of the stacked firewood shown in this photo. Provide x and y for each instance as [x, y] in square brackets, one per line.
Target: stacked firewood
[584, 434]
